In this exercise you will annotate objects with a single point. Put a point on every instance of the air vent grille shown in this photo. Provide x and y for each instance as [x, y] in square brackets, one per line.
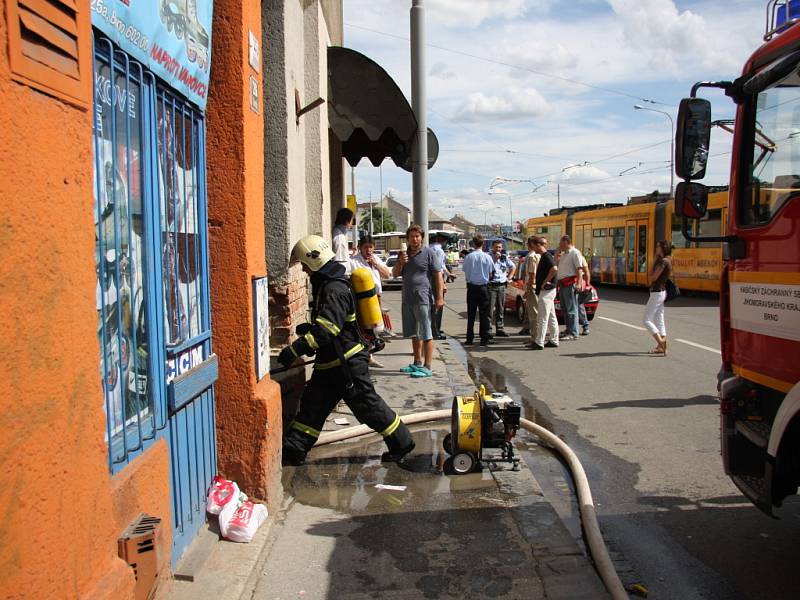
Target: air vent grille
[49, 47]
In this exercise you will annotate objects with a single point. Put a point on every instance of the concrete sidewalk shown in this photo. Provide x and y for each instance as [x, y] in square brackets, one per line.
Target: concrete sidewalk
[482, 535]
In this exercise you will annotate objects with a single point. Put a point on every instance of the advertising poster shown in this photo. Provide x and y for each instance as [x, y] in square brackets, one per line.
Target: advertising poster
[171, 37]
[261, 318]
[119, 228]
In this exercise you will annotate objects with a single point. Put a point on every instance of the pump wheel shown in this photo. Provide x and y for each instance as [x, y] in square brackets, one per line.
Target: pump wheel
[463, 463]
[447, 443]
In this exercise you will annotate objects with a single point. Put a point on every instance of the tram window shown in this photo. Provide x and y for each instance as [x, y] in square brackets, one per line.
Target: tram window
[555, 234]
[710, 225]
[602, 243]
[618, 238]
[678, 240]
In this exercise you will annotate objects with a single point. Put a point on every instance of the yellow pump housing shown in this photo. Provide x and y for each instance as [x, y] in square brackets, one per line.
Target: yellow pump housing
[369, 308]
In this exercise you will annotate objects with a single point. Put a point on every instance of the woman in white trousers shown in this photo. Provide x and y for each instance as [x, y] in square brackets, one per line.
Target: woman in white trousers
[654, 311]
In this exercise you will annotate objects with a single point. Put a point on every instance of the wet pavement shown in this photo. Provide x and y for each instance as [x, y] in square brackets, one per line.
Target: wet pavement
[490, 534]
[431, 534]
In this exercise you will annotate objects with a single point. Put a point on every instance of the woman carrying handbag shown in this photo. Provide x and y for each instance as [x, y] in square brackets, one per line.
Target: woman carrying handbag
[654, 311]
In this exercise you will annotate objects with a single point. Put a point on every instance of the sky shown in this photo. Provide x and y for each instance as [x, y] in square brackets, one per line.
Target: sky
[533, 100]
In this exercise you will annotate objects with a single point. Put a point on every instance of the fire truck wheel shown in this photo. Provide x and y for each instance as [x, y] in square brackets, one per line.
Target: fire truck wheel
[463, 463]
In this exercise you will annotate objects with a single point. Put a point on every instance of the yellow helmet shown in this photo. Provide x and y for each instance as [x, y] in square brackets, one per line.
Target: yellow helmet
[313, 252]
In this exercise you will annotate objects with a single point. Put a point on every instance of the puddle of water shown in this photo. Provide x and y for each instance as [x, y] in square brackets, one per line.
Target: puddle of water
[548, 466]
[343, 476]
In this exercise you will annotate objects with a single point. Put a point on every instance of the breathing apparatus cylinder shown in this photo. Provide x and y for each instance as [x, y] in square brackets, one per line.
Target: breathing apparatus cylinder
[369, 307]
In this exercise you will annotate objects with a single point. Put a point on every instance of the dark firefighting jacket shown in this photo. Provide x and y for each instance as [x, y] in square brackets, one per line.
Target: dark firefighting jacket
[333, 317]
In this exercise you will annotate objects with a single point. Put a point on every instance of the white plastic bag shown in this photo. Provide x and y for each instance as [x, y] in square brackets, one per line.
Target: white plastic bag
[244, 523]
[220, 494]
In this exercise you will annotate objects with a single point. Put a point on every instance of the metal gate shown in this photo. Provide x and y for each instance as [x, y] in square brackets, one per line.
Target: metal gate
[154, 321]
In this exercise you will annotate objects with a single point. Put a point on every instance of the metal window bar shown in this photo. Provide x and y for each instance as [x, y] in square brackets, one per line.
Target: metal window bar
[153, 229]
[182, 209]
[137, 407]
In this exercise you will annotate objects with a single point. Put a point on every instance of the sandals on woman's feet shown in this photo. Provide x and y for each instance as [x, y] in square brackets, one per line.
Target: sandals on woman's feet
[657, 351]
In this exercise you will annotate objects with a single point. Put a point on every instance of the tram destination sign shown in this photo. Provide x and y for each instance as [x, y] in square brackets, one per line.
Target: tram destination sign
[171, 37]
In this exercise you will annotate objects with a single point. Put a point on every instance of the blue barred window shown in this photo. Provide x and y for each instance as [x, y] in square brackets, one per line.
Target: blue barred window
[151, 260]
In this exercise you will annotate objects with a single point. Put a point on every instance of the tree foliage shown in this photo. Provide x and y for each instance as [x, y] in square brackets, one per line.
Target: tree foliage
[381, 220]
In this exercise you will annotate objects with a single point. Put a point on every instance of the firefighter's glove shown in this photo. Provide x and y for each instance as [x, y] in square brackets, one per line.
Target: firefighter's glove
[287, 356]
[302, 329]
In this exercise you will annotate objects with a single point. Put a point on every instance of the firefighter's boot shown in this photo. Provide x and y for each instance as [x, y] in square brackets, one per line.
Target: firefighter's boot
[399, 443]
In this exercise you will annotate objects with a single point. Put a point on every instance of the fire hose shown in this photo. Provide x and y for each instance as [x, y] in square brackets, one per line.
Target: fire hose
[591, 527]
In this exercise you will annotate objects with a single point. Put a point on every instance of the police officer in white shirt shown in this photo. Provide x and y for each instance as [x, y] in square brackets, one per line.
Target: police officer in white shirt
[503, 272]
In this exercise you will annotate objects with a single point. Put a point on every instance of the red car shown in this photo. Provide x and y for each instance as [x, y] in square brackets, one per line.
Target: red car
[515, 297]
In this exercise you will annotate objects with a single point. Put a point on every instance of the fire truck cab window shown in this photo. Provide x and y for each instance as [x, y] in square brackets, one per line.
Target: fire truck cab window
[774, 168]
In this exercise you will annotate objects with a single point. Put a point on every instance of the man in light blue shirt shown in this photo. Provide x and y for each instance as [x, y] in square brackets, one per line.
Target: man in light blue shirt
[504, 270]
[478, 270]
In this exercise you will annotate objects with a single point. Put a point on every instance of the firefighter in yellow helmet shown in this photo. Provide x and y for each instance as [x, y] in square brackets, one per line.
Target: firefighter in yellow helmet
[340, 364]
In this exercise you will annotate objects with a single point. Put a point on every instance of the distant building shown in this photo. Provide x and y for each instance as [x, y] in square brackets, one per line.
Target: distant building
[436, 221]
[462, 224]
[400, 213]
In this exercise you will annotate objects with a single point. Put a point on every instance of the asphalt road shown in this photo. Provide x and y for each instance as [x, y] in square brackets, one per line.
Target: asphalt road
[647, 431]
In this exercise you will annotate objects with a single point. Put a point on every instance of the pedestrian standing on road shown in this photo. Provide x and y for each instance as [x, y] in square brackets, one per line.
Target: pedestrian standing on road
[340, 361]
[436, 313]
[341, 248]
[478, 271]
[503, 272]
[569, 268]
[531, 299]
[452, 262]
[422, 278]
[366, 258]
[654, 311]
[546, 273]
[583, 293]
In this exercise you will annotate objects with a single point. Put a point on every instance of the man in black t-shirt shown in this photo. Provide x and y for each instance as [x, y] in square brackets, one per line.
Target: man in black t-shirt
[546, 291]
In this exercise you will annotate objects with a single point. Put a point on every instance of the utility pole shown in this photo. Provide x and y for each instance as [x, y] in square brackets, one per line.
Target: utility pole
[353, 192]
[370, 214]
[558, 194]
[418, 98]
[380, 174]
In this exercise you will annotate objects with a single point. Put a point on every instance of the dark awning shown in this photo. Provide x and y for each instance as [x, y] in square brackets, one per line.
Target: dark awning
[368, 113]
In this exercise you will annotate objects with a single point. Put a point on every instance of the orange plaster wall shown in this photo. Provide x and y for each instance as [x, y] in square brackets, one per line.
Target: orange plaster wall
[56, 522]
[248, 412]
[144, 487]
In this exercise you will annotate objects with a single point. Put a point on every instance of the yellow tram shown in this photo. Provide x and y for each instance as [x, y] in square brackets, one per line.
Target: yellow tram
[619, 241]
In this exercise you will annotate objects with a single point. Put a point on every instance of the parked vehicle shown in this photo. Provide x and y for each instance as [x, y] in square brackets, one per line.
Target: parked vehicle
[759, 381]
[515, 297]
[391, 282]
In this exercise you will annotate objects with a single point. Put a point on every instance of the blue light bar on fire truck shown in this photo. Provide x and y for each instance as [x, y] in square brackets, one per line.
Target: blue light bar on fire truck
[781, 14]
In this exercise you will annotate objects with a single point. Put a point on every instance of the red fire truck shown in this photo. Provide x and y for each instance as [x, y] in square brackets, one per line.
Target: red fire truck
[760, 280]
